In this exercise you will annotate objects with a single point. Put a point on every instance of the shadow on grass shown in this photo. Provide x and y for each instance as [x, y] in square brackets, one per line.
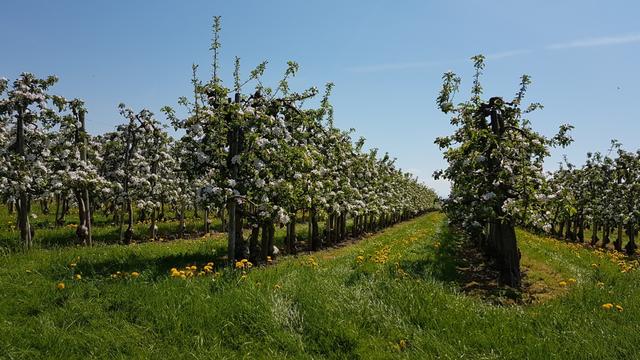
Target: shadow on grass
[438, 259]
[154, 267]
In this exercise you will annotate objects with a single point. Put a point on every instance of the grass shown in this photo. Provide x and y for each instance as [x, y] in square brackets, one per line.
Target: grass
[393, 295]
[105, 231]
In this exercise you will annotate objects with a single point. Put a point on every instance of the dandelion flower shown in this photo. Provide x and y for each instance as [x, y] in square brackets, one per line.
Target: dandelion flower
[60, 286]
[135, 274]
[78, 277]
[571, 281]
[562, 283]
[402, 344]
[607, 306]
[619, 308]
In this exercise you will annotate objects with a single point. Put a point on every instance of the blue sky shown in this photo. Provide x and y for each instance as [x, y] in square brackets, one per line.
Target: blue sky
[386, 59]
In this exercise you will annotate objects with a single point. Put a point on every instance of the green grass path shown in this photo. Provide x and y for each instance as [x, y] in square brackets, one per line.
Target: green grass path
[392, 295]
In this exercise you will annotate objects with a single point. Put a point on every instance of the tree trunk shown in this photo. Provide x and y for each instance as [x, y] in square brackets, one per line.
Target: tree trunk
[207, 221]
[23, 198]
[580, 229]
[242, 251]
[264, 241]
[253, 244]
[508, 259]
[183, 226]
[128, 234]
[618, 243]
[315, 233]
[605, 234]
[594, 233]
[82, 231]
[631, 245]
[154, 227]
[291, 237]
[83, 195]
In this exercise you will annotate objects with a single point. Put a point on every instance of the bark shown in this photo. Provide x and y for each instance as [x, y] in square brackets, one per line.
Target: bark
[594, 233]
[183, 226]
[605, 234]
[82, 231]
[580, 229]
[264, 252]
[128, 234]
[153, 228]
[44, 206]
[618, 243]
[508, 255]
[242, 251]
[631, 245]
[207, 221]
[253, 244]
[315, 233]
[291, 237]
[23, 199]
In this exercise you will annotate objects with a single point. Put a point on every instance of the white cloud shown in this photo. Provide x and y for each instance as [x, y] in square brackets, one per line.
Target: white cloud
[597, 41]
[395, 66]
[425, 64]
[507, 54]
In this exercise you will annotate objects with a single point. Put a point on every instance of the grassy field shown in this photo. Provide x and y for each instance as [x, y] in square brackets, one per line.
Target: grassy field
[396, 294]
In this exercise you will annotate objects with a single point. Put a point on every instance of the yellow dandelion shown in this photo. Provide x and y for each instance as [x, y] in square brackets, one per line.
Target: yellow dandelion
[135, 274]
[562, 283]
[402, 344]
[78, 277]
[619, 308]
[72, 265]
[571, 281]
[60, 286]
[193, 268]
[607, 306]
[210, 264]
[239, 265]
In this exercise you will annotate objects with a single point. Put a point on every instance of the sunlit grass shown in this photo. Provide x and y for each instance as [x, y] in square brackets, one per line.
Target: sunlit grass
[392, 295]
